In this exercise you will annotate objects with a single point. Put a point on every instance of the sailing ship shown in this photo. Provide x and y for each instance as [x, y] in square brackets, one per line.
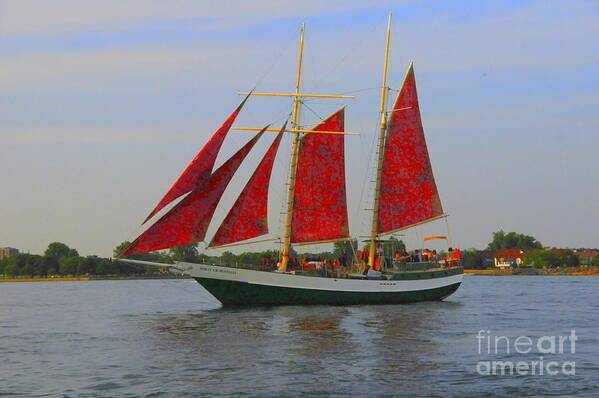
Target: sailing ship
[316, 210]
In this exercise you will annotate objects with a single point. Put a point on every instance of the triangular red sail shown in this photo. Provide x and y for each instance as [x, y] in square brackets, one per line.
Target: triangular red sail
[408, 191]
[188, 221]
[196, 174]
[248, 218]
[319, 206]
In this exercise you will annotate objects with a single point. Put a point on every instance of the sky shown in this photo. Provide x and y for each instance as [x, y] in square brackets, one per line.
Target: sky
[104, 103]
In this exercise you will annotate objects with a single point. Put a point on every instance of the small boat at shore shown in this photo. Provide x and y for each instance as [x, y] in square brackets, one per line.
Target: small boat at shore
[405, 196]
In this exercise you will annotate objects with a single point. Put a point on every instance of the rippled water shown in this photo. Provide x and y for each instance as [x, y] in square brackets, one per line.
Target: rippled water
[169, 337]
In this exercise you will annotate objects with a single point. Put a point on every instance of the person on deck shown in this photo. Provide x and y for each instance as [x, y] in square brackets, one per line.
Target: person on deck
[325, 267]
[456, 257]
[363, 255]
[426, 255]
[343, 261]
[336, 267]
[449, 257]
[336, 263]
[304, 263]
[417, 257]
[403, 256]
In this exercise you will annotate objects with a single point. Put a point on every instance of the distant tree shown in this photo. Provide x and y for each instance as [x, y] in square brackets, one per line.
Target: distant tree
[228, 258]
[87, 265]
[570, 259]
[158, 257]
[257, 258]
[476, 259]
[188, 253]
[27, 270]
[37, 266]
[543, 259]
[103, 267]
[513, 240]
[20, 260]
[120, 248]
[595, 261]
[398, 244]
[57, 250]
[68, 265]
[49, 266]
[343, 248]
[11, 269]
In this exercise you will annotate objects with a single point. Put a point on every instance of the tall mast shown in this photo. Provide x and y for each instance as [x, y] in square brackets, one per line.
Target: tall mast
[298, 133]
[294, 155]
[381, 154]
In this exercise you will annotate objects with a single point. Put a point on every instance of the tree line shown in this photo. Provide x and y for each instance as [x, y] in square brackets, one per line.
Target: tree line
[61, 260]
[534, 253]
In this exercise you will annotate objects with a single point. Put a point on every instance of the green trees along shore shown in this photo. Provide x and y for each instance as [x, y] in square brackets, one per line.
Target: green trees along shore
[62, 260]
[534, 254]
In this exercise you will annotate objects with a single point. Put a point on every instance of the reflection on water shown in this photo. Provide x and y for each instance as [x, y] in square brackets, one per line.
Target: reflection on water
[170, 337]
[385, 343]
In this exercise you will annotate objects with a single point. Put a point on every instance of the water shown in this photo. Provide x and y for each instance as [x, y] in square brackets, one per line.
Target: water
[170, 338]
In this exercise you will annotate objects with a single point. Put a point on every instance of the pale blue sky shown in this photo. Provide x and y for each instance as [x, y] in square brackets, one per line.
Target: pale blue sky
[103, 104]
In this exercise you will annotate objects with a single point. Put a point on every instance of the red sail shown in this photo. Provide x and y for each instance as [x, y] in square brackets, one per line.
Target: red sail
[198, 171]
[248, 218]
[408, 191]
[319, 207]
[188, 221]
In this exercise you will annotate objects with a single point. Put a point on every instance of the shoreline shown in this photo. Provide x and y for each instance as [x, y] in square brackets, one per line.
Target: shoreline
[568, 271]
[87, 278]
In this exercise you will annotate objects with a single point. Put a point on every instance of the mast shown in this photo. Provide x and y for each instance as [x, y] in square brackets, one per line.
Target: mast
[294, 155]
[298, 134]
[381, 149]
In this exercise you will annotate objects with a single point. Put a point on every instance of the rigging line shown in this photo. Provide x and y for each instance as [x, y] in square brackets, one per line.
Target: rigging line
[283, 198]
[277, 58]
[281, 165]
[350, 52]
[361, 90]
[361, 203]
[312, 111]
[449, 242]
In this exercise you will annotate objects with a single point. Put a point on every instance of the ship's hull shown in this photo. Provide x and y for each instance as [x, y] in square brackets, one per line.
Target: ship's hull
[242, 287]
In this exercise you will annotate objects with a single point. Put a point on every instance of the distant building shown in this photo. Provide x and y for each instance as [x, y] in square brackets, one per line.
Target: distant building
[586, 256]
[7, 252]
[505, 258]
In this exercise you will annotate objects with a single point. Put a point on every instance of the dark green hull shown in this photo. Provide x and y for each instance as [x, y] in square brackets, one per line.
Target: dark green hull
[234, 293]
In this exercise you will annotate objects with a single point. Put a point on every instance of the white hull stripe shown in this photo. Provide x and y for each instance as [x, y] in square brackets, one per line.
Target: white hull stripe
[317, 283]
